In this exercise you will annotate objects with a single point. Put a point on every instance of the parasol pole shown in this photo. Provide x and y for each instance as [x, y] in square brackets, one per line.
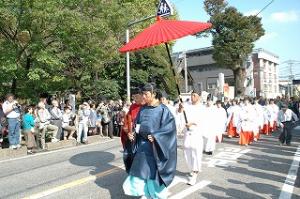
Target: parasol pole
[174, 74]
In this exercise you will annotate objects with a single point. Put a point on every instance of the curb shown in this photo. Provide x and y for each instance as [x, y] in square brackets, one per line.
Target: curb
[8, 154]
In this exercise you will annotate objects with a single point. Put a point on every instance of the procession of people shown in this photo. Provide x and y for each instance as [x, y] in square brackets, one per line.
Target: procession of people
[149, 137]
[149, 128]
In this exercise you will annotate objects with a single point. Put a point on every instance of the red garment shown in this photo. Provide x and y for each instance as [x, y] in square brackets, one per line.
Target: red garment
[129, 120]
[266, 129]
[231, 130]
[274, 128]
[246, 137]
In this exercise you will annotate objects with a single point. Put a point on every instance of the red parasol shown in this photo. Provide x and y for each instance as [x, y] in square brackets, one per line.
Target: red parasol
[163, 31]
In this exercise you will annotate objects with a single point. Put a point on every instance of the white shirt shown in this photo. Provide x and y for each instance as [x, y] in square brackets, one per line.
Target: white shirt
[286, 116]
[65, 120]
[84, 116]
[15, 113]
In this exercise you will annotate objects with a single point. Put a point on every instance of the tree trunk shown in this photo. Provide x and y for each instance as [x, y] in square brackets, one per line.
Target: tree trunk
[13, 86]
[239, 79]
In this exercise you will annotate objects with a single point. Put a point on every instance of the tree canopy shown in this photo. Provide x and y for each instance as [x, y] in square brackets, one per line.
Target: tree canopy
[233, 37]
[58, 46]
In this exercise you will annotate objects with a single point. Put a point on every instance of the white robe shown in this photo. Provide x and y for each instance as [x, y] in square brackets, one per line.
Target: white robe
[193, 141]
[233, 112]
[246, 119]
[273, 109]
[210, 130]
[259, 118]
[220, 122]
[266, 114]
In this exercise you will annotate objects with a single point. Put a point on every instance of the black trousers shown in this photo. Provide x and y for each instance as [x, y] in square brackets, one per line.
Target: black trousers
[286, 134]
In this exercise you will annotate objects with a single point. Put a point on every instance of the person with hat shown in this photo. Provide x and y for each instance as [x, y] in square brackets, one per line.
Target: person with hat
[193, 135]
[129, 119]
[286, 120]
[153, 166]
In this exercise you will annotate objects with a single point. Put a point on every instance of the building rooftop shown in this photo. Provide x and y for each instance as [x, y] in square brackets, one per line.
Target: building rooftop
[260, 50]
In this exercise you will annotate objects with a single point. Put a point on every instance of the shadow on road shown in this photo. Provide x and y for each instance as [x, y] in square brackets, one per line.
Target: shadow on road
[231, 193]
[108, 176]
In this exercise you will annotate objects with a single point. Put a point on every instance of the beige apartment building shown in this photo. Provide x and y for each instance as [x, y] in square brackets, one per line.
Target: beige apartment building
[261, 71]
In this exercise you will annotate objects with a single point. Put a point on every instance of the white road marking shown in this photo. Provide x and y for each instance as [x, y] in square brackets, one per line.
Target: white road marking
[177, 180]
[225, 157]
[56, 151]
[190, 190]
[288, 186]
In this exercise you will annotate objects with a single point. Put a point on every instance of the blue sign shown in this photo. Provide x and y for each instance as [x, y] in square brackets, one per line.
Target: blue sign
[164, 8]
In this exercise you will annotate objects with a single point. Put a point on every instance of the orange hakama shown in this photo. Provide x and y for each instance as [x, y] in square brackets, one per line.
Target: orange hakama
[231, 130]
[246, 137]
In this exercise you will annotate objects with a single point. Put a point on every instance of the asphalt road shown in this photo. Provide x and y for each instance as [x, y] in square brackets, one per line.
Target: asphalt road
[96, 171]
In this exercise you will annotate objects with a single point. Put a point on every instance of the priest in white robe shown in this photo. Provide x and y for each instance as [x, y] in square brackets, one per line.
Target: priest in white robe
[193, 141]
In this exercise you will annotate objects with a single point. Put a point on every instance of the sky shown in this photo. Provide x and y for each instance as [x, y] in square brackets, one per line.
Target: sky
[281, 21]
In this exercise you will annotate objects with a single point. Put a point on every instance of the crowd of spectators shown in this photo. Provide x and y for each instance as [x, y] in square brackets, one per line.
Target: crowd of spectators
[52, 121]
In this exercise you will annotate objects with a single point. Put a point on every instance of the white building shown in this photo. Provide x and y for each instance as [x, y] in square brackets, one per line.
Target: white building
[265, 73]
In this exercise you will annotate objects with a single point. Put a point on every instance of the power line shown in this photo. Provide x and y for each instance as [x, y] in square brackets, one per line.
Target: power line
[264, 8]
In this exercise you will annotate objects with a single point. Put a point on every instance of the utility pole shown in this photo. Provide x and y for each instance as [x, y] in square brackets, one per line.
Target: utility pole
[128, 55]
[291, 77]
[186, 73]
[127, 68]
[290, 74]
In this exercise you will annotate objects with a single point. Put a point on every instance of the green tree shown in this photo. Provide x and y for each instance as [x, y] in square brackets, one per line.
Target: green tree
[233, 38]
[54, 46]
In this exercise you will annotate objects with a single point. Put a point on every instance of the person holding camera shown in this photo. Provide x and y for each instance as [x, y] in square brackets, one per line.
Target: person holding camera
[12, 110]
[83, 113]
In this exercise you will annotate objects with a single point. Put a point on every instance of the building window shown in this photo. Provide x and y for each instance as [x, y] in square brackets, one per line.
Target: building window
[212, 86]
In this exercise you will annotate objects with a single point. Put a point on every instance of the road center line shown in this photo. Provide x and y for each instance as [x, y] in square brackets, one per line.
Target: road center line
[190, 190]
[288, 186]
[74, 183]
